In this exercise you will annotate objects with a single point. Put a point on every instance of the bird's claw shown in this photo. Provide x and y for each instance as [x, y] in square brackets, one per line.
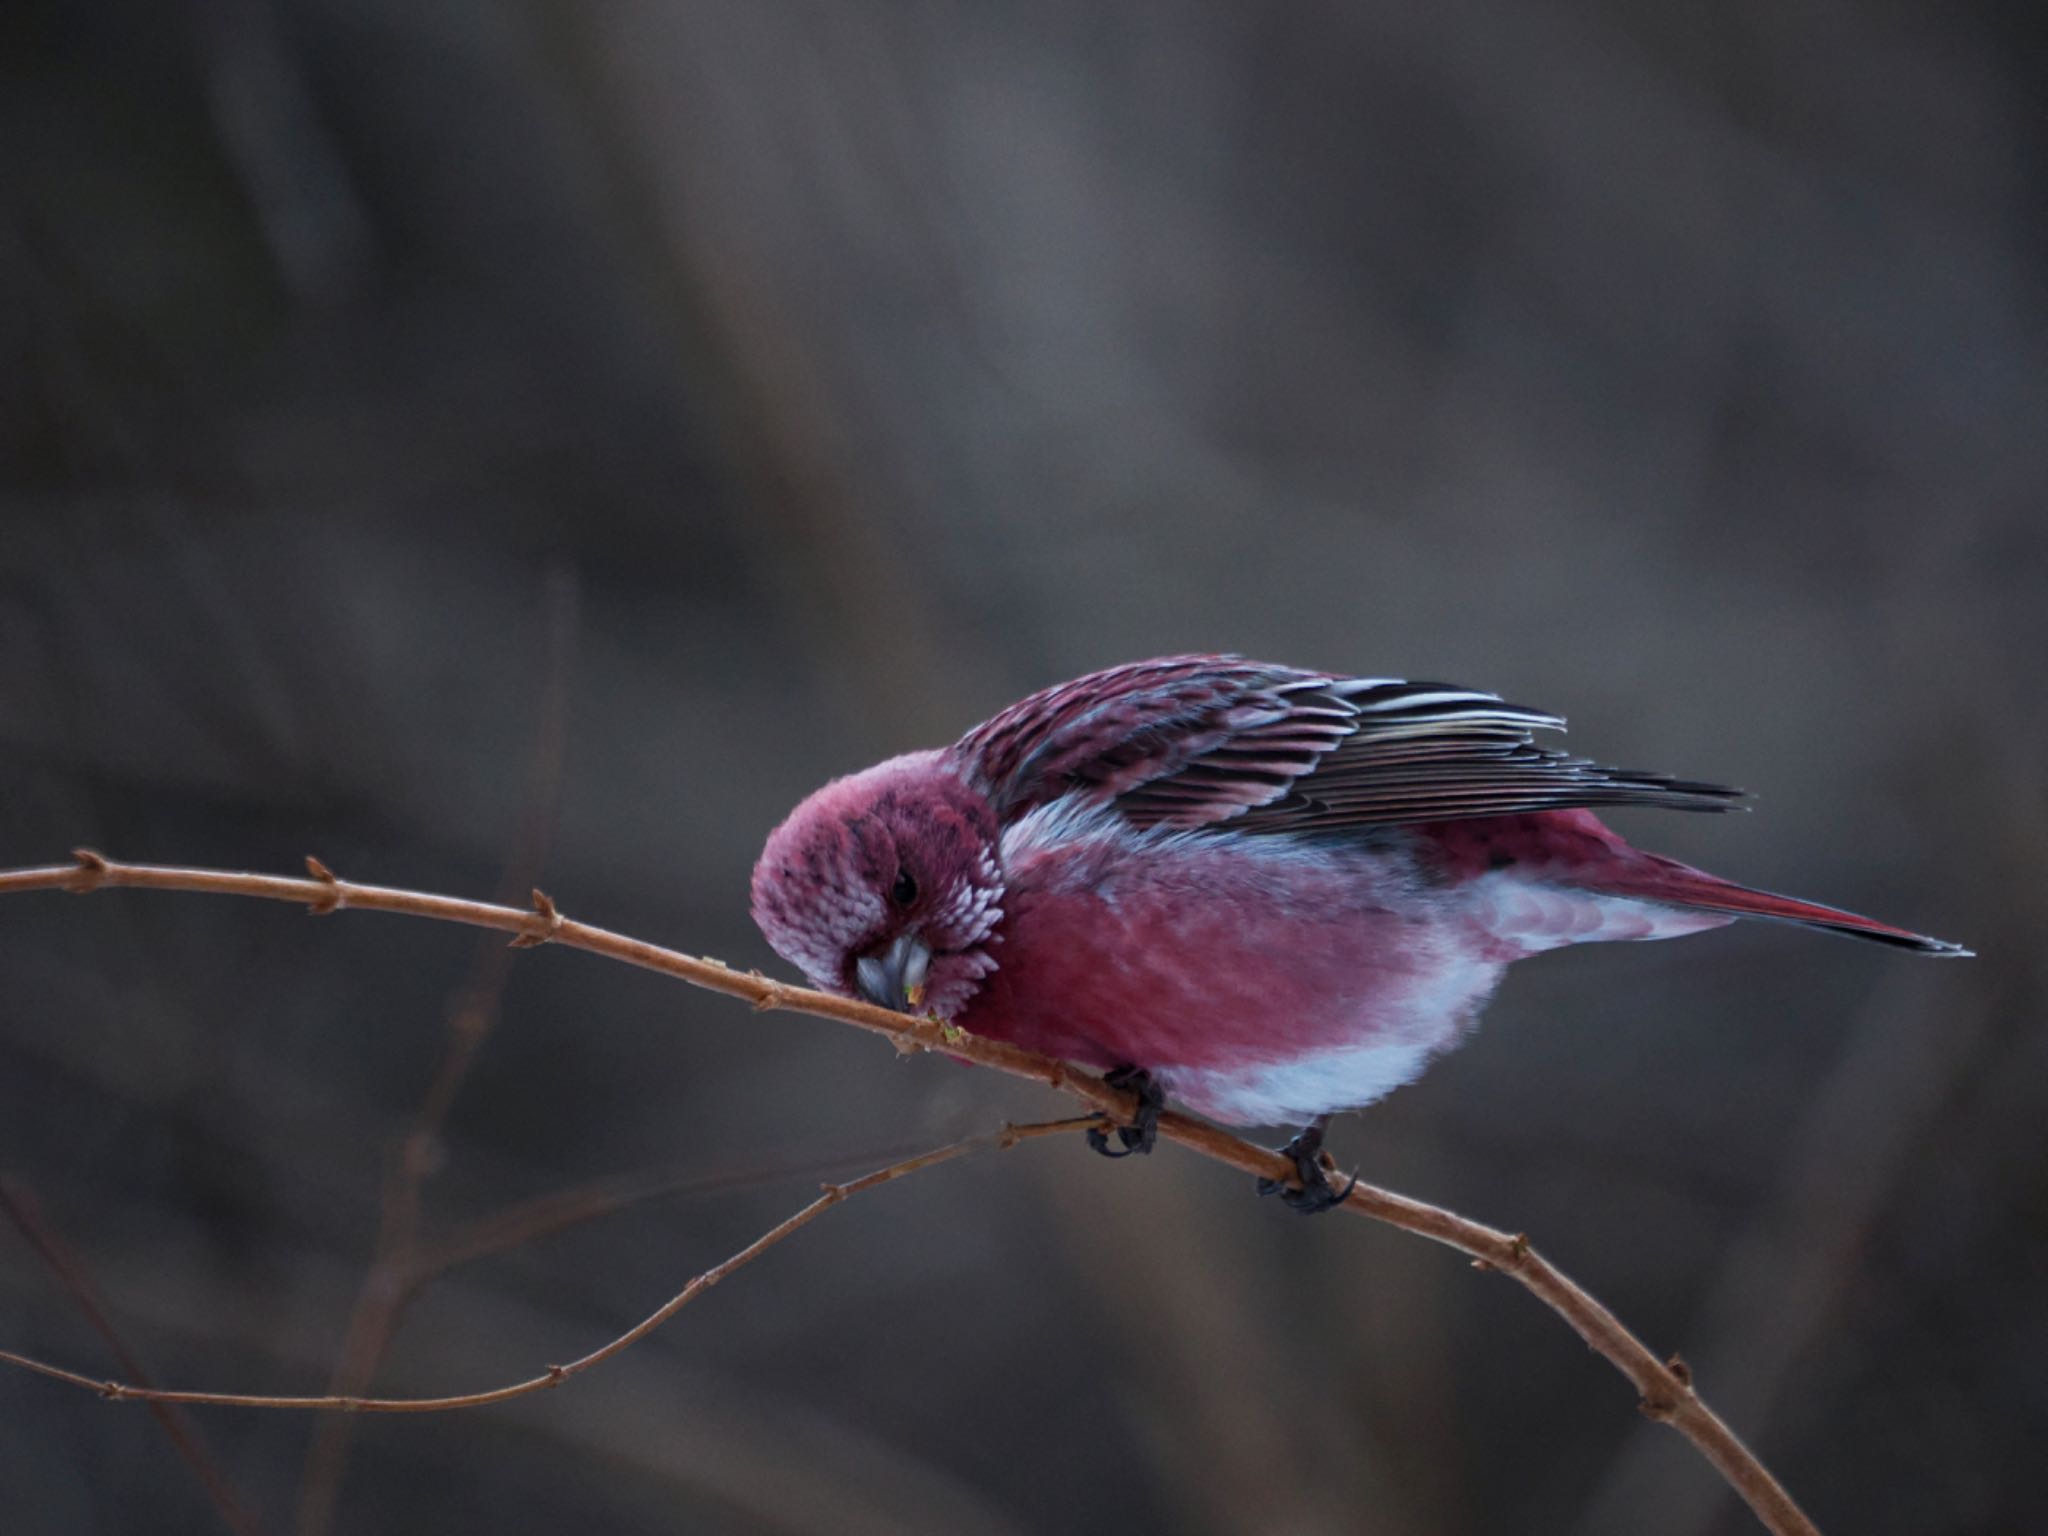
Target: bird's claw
[1315, 1193]
[1142, 1134]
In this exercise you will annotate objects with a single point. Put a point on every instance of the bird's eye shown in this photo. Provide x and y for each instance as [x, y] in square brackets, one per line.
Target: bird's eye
[904, 891]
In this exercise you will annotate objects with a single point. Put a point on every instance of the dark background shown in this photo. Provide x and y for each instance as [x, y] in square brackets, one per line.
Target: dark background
[435, 431]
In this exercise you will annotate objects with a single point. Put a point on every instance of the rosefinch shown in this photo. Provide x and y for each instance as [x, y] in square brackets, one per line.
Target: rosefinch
[1273, 894]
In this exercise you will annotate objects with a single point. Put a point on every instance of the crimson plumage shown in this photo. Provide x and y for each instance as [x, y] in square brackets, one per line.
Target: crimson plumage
[1280, 892]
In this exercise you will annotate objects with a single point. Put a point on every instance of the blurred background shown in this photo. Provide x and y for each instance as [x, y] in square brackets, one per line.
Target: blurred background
[489, 444]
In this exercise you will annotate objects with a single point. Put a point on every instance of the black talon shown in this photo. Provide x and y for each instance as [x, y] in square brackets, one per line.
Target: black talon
[1142, 1134]
[1316, 1193]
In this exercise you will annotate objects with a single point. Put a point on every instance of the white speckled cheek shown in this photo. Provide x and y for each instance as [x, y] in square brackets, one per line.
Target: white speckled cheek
[961, 977]
[973, 909]
[818, 945]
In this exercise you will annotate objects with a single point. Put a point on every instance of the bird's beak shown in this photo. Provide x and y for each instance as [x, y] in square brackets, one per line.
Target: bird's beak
[895, 977]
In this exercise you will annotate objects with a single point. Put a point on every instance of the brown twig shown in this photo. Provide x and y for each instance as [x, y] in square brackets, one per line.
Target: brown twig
[524, 1221]
[555, 1375]
[22, 1208]
[1666, 1395]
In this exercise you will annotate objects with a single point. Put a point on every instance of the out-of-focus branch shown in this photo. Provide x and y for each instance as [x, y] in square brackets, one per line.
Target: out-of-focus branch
[555, 1375]
[19, 1202]
[1779, 1283]
[526, 1221]
[1665, 1388]
[390, 1281]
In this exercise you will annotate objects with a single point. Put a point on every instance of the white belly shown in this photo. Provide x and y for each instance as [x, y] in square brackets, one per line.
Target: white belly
[1396, 1038]
[1293, 1093]
[1400, 1029]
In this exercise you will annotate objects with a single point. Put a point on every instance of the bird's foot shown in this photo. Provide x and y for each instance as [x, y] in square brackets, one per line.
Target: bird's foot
[1142, 1134]
[1316, 1192]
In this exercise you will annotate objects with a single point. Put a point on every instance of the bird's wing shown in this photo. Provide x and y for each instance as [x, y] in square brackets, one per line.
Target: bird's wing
[1191, 741]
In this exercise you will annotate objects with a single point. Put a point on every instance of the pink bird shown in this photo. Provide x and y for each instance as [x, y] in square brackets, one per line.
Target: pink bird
[1272, 894]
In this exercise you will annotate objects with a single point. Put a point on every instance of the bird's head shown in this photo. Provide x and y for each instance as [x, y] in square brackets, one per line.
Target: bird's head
[887, 885]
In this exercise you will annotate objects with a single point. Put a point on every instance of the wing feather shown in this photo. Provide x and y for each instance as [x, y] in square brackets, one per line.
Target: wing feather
[1193, 741]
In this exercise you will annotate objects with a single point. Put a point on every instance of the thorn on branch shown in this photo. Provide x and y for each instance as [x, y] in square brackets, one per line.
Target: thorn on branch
[1516, 1254]
[329, 900]
[1677, 1367]
[557, 1374]
[92, 869]
[551, 922]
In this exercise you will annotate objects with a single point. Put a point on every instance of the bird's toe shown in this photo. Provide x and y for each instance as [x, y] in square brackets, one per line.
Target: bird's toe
[1315, 1192]
[1142, 1134]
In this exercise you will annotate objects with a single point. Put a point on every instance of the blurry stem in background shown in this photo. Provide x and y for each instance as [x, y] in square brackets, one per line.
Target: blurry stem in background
[545, 1215]
[525, 1221]
[555, 1375]
[1666, 1389]
[19, 1202]
[1779, 1281]
[391, 1281]
[814, 501]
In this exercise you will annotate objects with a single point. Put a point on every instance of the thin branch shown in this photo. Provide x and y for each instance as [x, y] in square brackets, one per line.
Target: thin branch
[1665, 1388]
[555, 1375]
[22, 1208]
[524, 1221]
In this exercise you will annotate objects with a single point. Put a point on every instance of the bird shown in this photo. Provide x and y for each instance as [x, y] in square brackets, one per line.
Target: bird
[1266, 893]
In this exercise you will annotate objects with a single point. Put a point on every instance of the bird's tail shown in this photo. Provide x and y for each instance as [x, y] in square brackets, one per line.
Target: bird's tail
[1666, 881]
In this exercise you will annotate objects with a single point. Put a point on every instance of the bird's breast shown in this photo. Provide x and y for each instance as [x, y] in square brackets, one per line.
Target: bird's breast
[1263, 980]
